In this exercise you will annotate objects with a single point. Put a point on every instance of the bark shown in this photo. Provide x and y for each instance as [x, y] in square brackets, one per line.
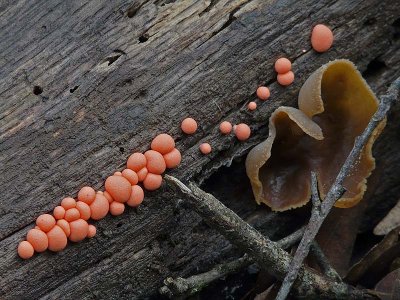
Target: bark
[268, 254]
[85, 83]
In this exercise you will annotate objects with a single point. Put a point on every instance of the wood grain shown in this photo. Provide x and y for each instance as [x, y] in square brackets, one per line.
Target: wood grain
[113, 74]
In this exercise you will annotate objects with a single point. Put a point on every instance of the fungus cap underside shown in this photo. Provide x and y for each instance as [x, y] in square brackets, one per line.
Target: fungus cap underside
[276, 171]
[335, 105]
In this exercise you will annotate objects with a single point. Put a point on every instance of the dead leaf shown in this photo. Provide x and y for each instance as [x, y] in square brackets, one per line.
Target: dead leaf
[389, 287]
[391, 221]
[340, 225]
[268, 294]
[343, 225]
[376, 261]
[271, 293]
[395, 264]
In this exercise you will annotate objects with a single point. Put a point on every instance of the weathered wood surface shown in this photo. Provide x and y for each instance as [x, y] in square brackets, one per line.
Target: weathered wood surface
[113, 74]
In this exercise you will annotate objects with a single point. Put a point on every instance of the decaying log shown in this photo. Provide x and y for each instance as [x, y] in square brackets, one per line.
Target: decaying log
[268, 254]
[85, 83]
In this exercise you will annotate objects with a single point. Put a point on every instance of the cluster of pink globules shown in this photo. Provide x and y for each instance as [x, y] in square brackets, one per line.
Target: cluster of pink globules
[69, 220]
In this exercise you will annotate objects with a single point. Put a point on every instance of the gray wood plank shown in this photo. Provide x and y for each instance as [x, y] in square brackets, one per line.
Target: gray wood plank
[114, 74]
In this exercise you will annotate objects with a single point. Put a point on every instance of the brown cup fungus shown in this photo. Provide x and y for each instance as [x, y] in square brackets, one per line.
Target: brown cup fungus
[278, 167]
[335, 105]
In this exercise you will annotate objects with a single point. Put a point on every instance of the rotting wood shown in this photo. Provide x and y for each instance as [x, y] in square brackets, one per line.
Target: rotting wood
[92, 113]
[181, 288]
[266, 253]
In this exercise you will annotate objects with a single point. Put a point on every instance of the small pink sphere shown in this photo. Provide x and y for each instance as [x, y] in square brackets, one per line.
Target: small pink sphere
[205, 148]
[91, 231]
[136, 162]
[131, 176]
[45, 222]
[142, 174]
[25, 250]
[283, 65]
[321, 38]
[68, 203]
[286, 79]
[252, 105]
[87, 195]
[263, 93]
[72, 214]
[225, 127]
[117, 208]
[137, 196]
[189, 126]
[242, 131]
[173, 158]
[59, 212]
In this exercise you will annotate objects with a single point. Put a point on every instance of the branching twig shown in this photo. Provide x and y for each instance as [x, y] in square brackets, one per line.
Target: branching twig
[267, 254]
[181, 287]
[291, 239]
[336, 189]
[323, 262]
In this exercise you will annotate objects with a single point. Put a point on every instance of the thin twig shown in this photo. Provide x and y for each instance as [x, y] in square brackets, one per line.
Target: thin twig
[316, 200]
[181, 287]
[184, 287]
[336, 189]
[291, 239]
[323, 262]
[266, 253]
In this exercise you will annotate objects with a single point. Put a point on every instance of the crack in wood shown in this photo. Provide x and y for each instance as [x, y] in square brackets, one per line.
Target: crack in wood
[128, 103]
